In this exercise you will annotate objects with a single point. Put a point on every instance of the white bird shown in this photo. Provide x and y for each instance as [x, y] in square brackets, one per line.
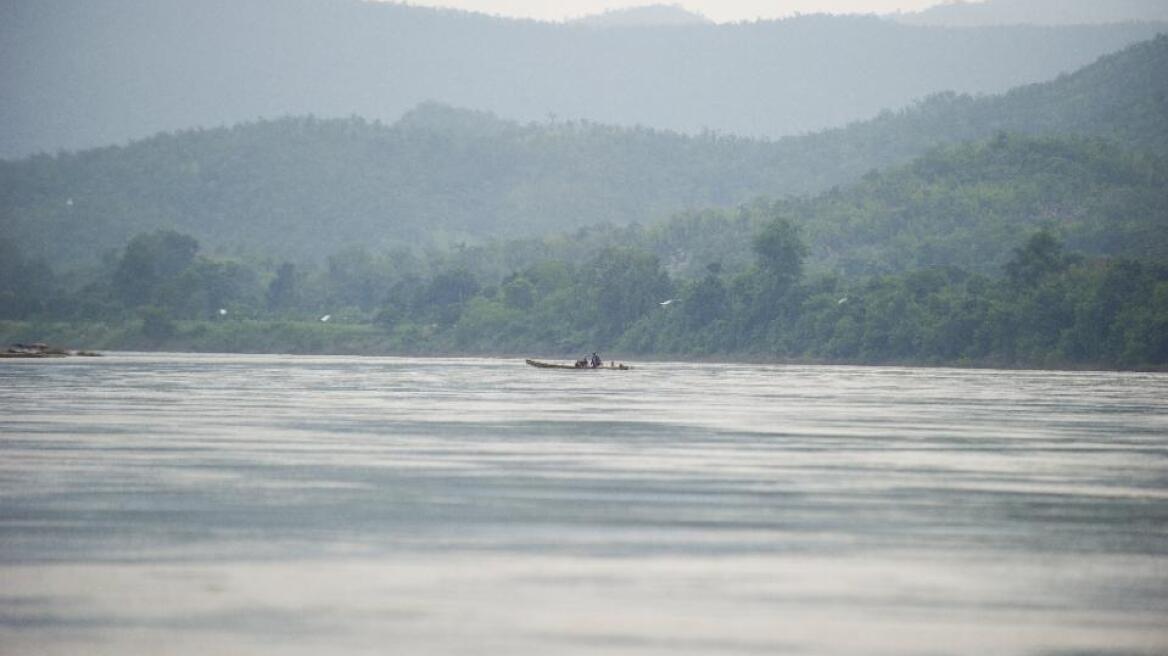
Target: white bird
[842, 301]
[326, 317]
[669, 302]
[222, 311]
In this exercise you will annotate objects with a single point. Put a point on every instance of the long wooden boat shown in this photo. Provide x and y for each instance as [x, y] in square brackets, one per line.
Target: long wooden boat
[551, 365]
[42, 351]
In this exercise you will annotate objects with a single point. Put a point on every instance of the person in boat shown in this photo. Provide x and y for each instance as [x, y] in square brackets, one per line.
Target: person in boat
[595, 361]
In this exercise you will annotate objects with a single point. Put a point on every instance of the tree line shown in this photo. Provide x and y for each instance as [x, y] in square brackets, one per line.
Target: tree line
[1047, 307]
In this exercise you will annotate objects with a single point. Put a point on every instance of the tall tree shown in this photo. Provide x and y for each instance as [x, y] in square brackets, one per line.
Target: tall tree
[149, 261]
[1041, 256]
[619, 286]
[781, 251]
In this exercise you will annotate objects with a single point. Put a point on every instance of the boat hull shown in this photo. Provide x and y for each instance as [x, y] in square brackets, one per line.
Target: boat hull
[551, 365]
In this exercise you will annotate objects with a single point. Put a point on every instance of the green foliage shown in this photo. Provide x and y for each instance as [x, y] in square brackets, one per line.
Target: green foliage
[966, 206]
[284, 290]
[618, 287]
[151, 264]
[705, 301]
[451, 288]
[780, 251]
[162, 271]
[969, 205]
[208, 286]
[1049, 309]
[25, 285]
[489, 325]
[1042, 256]
[157, 326]
[519, 293]
[1058, 311]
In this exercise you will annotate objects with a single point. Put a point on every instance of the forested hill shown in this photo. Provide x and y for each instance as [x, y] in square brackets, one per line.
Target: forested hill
[79, 74]
[938, 234]
[1122, 97]
[302, 188]
[963, 206]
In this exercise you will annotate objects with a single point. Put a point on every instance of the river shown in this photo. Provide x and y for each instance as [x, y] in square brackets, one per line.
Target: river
[224, 504]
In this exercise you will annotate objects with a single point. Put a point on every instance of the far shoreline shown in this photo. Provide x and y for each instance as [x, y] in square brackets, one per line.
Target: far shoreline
[115, 339]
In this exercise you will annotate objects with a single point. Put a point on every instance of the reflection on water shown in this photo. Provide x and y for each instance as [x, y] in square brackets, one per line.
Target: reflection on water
[194, 504]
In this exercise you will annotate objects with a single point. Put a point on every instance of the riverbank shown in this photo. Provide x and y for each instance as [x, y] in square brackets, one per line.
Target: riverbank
[315, 338]
[237, 336]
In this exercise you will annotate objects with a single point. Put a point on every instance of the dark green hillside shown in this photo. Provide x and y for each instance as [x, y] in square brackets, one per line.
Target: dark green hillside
[1122, 97]
[1046, 306]
[304, 188]
[964, 205]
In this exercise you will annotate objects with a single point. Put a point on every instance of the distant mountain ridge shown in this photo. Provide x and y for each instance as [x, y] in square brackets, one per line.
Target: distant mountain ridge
[303, 188]
[79, 74]
[1037, 12]
[647, 16]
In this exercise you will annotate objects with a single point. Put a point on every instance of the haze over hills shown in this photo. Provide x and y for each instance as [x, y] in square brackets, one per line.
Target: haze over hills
[647, 16]
[965, 206]
[80, 74]
[1122, 97]
[1037, 12]
[441, 176]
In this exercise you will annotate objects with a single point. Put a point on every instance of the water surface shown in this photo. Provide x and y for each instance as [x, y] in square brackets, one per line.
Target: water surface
[195, 504]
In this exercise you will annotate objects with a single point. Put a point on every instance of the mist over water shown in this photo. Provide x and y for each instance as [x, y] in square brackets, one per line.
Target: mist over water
[193, 504]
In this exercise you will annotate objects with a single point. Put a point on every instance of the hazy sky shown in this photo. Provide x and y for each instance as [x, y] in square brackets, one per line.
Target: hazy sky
[718, 10]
